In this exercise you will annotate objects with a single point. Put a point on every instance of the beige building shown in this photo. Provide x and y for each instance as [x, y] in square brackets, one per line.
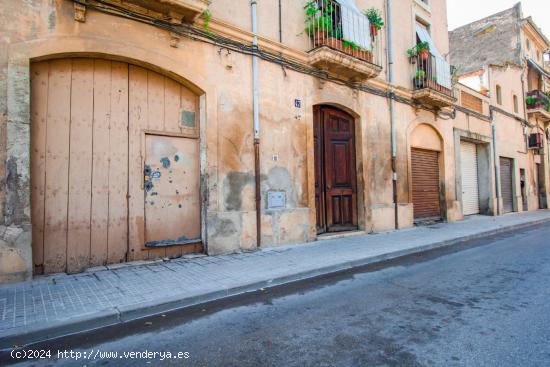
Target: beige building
[502, 56]
[135, 130]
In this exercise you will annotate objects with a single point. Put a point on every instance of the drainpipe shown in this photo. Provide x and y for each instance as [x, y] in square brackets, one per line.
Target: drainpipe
[256, 117]
[497, 175]
[280, 21]
[389, 51]
[494, 136]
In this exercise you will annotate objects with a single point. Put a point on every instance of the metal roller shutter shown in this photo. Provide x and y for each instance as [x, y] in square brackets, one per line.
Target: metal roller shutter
[506, 185]
[470, 183]
[425, 184]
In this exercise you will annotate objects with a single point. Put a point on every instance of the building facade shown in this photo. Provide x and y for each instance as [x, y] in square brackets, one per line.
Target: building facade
[503, 57]
[135, 130]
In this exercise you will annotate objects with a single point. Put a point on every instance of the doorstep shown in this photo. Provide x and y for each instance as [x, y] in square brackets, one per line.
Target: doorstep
[61, 304]
[336, 235]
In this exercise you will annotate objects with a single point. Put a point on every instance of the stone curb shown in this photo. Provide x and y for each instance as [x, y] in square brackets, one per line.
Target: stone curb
[118, 315]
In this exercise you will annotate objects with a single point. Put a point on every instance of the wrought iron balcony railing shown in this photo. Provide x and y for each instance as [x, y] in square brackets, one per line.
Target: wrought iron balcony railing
[537, 99]
[432, 73]
[344, 29]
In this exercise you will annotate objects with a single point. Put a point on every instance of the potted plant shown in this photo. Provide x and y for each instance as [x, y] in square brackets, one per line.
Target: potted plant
[375, 20]
[355, 50]
[419, 79]
[412, 53]
[531, 101]
[318, 26]
[423, 50]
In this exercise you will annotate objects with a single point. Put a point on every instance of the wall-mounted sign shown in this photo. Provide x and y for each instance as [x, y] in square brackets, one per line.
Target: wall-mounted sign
[276, 199]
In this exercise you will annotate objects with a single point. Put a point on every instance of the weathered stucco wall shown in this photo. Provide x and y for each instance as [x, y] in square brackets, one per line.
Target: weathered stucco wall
[45, 29]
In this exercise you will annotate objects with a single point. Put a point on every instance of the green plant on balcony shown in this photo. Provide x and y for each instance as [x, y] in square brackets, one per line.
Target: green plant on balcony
[350, 44]
[375, 20]
[319, 21]
[207, 17]
[531, 101]
[419, 79]
[422, 50]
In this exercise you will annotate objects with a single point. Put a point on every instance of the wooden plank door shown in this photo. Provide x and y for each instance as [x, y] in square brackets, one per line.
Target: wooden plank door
[507, 191]
[340, 178]
[172, 198]
[425, 184]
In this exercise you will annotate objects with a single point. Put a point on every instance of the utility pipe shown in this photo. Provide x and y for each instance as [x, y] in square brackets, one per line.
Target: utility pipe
[497, 174]
[256, 119]
[494, 136]
[389, 51]
[280, 21]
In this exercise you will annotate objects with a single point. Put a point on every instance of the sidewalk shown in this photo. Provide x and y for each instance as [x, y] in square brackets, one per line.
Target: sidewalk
[59, 304]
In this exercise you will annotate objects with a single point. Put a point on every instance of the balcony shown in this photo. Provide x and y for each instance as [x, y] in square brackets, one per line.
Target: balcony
[185, 10]
[341, 41]
[432, 84]
[538, 105]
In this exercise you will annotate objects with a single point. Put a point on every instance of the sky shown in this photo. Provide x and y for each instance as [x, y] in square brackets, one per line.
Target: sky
[461, 12]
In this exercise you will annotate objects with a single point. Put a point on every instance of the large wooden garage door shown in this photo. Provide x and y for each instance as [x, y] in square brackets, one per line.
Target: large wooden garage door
[89, 119]
[425, 184]
[469, 179]
[507, 191]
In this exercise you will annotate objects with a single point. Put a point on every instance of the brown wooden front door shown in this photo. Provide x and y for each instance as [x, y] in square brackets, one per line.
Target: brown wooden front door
[335, 173]
[425, 184]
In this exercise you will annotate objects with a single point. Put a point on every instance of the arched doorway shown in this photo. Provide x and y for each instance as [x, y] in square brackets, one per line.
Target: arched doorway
[426, 149]
[114, 165]
[335, 170]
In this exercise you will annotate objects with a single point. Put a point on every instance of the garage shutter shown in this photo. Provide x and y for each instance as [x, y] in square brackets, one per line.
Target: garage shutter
[506, 185]
[425, 183]
[470, 188]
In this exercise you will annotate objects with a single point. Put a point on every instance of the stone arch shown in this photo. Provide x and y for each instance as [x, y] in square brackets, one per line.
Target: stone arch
[426, 136]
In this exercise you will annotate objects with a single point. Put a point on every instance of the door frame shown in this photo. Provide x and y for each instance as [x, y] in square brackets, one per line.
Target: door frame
[514, 177]
[440, 185]
[440, 148]
[359, 205]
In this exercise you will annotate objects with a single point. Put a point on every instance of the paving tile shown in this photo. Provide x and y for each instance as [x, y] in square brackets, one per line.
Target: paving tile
[61, 296]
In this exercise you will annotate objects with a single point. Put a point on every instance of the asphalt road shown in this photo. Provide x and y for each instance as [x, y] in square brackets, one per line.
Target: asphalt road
[485, 303]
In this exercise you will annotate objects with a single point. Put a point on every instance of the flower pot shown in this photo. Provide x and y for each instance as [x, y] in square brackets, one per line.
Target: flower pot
[373, 30]
[319, 37]
[335, 43]
[424, 54]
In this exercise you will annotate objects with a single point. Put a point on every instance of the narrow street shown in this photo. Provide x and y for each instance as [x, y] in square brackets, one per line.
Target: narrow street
[483, 304]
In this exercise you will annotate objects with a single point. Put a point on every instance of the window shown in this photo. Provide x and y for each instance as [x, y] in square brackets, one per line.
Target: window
[516, 105]
[528, 45]
[499, 94]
